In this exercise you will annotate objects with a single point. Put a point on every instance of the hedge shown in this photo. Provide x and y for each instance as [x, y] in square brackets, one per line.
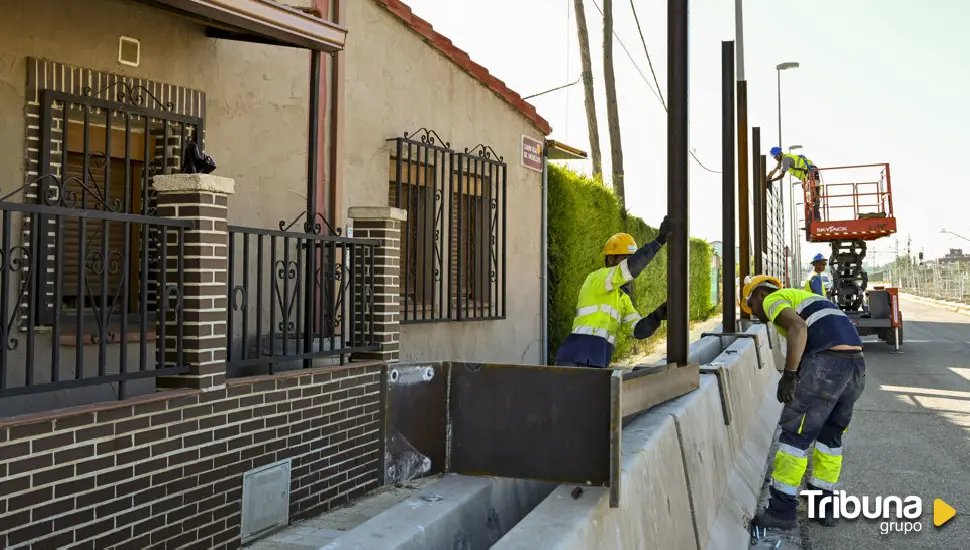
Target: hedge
[583, 214]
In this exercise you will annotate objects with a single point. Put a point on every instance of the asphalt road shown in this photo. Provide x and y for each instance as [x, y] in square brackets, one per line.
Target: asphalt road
[910, 435]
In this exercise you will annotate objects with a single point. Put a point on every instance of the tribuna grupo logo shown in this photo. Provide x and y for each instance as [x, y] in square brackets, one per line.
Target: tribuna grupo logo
[899, 514]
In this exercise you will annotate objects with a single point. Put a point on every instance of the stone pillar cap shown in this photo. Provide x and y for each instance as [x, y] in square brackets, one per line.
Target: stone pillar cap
[377, 213]
[183, 183]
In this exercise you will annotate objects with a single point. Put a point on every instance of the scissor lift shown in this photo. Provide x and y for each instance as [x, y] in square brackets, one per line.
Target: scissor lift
[847, 207]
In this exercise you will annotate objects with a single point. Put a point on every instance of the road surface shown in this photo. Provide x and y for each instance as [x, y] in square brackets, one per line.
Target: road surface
[910, 434]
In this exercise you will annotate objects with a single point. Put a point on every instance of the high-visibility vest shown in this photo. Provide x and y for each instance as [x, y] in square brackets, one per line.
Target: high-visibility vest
[828, 325]
[603, 308]
[800, 166]
[808, 284]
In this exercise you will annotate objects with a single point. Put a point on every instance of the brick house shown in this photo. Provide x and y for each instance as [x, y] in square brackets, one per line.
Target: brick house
[177, 346]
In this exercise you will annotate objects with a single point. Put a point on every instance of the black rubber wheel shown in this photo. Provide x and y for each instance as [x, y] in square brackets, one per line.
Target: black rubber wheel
[891, 334]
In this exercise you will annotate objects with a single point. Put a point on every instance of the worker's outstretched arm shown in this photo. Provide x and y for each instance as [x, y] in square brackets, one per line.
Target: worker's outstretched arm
[646, 326]
[797, 336]
[640, 259]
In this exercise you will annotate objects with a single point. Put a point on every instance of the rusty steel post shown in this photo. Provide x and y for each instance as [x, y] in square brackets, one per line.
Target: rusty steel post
[727, 187]
[756, 186]
[744, 200]
[678, 254]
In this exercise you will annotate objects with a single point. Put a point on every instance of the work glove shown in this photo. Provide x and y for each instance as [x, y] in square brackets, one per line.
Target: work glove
[786, 386]
[664, 230]
[660, 314]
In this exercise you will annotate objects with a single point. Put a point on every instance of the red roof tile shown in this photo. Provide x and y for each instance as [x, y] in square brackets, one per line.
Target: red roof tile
[460, 58]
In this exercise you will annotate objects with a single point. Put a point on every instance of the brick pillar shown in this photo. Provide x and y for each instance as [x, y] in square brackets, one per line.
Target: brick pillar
[384, 223]
[202, 199]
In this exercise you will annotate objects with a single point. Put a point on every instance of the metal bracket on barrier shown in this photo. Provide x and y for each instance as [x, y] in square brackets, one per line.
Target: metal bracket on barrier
[757, 341]
[722, 390]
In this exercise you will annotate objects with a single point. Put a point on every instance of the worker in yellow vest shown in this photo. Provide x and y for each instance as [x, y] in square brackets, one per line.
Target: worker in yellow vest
[604, 304]
[814, 284]
[801, 169]
[823, 378]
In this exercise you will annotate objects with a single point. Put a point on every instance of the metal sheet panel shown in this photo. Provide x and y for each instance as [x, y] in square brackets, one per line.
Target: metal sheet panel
[530, 422]
[643, 390]
[417, 421]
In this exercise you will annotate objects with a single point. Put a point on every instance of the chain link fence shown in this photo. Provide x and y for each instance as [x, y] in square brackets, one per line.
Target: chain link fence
[949, 281]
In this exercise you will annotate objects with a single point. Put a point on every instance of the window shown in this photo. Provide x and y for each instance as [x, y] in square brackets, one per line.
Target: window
[452, 245]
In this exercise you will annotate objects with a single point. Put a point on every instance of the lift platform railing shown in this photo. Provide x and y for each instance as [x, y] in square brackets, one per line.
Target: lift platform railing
[849, 202]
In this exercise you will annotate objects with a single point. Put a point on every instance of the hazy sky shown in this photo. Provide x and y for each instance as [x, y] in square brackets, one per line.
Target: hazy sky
[879, 81]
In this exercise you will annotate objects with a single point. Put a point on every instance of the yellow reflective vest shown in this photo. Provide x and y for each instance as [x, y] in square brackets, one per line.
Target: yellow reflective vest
[603, 308]
[800, 165]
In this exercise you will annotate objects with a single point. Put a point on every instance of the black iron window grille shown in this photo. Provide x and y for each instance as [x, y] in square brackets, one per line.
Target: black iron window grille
[452, 253]
[88, 262]
[298, 299]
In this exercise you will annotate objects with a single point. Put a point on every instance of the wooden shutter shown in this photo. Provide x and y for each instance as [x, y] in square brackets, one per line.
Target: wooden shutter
[70, 255]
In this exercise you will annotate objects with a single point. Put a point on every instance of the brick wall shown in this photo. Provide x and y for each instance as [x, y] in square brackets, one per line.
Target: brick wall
[166, 470]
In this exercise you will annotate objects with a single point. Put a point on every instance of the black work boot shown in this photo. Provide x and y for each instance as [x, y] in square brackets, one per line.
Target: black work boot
[767, 518]
[827, 511]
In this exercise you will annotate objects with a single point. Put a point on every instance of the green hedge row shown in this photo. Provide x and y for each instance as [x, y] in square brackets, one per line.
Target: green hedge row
[583, 214]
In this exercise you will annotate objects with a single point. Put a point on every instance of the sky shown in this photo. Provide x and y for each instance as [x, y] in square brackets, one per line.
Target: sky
[878, 81]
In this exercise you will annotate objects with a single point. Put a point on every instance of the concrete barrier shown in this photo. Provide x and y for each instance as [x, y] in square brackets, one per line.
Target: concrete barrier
[956, 307]
[716, 480]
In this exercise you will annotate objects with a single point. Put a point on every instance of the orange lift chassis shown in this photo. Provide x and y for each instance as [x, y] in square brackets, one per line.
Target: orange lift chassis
[847, 207]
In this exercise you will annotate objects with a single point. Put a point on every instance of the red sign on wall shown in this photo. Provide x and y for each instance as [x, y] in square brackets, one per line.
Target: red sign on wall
[532, 153]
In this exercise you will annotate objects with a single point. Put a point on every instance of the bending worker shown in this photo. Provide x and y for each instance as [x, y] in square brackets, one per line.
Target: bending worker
[814, 283]
[824, 376]
[604, 303]
[801, 169]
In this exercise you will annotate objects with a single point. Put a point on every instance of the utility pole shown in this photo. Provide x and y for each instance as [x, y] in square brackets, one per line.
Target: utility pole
[612, 114]
[594, 133]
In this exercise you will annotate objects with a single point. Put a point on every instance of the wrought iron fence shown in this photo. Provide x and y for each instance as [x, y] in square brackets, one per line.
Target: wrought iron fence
[454, 240]
[298, 298]
[87, 332]
[949, 281]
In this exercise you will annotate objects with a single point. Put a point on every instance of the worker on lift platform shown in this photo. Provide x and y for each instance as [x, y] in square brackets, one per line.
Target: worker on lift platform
[604, 303]
[814, 283]
[801, 169]
[823, 378]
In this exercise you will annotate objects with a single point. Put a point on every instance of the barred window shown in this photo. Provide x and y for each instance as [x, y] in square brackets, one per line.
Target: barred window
[452, 252]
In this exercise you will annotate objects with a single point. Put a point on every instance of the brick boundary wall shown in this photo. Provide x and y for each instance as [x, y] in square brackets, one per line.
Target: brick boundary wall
[165, 471]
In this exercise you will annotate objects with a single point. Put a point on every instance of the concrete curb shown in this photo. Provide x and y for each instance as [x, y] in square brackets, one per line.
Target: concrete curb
[956, 307]
[689, 480]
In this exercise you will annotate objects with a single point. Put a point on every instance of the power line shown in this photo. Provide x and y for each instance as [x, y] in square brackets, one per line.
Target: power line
[656, 92]
[578, 80]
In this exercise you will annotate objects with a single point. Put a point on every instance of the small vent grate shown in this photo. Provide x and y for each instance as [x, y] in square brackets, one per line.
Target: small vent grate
[265, 500]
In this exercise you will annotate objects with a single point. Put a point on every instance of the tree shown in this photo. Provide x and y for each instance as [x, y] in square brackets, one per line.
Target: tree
[594, 133]
[612, 115]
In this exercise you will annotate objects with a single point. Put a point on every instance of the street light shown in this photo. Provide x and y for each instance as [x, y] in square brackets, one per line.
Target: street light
[782, 67]
[954, 234]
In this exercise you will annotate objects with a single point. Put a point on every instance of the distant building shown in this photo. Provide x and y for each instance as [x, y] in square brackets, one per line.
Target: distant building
[954, 255]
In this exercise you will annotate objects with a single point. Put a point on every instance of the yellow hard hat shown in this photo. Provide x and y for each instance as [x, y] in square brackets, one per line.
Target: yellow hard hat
[621, 244]
[751, 283]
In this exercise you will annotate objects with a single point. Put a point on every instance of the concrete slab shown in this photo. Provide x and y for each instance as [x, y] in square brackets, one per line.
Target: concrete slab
[705, 448]
[457, 511]
[654, 508]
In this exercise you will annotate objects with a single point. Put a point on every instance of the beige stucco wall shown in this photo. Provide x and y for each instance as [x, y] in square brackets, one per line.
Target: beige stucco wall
[396, 83]
[257, 95]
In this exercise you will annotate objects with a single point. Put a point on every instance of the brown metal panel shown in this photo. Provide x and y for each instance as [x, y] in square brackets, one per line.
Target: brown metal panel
[530, 422]
[644, 390]
[417, 421]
